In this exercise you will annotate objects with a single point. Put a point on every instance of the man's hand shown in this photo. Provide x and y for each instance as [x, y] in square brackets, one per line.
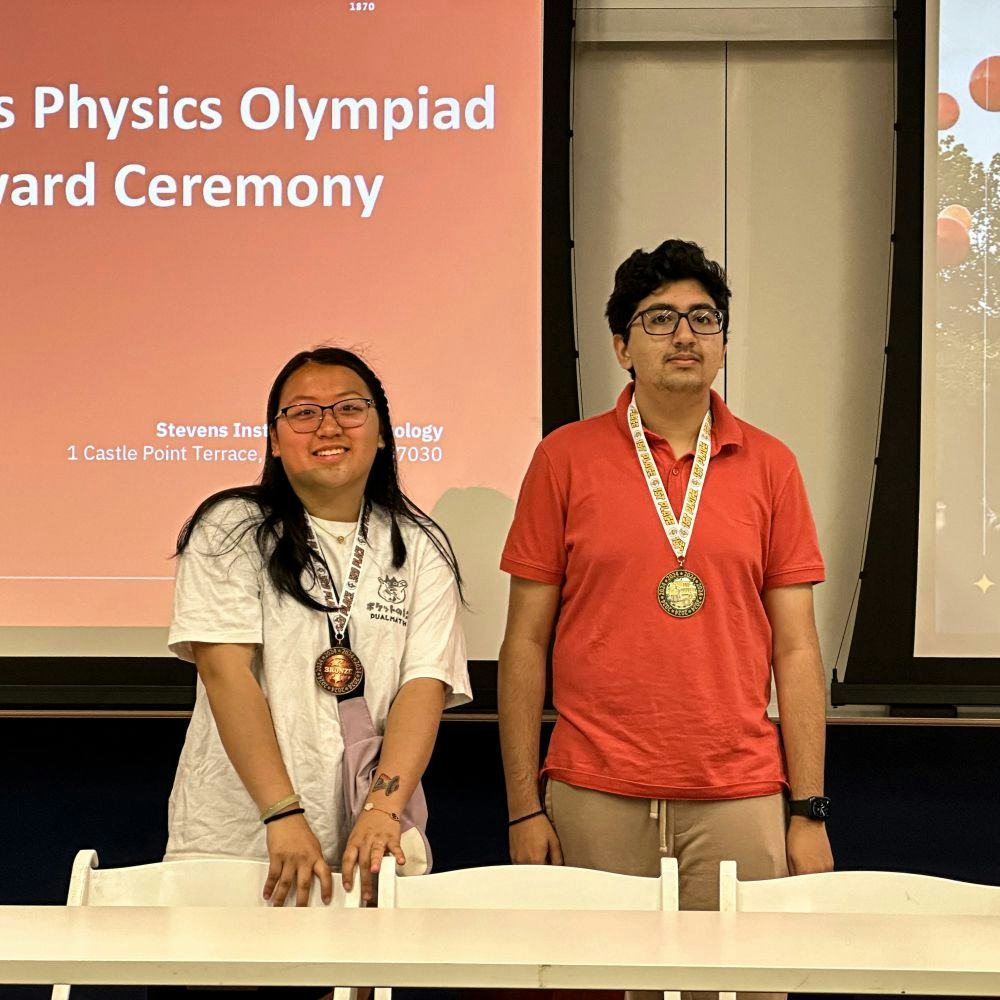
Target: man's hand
[534, 842]
[531, 613]
[807, 847]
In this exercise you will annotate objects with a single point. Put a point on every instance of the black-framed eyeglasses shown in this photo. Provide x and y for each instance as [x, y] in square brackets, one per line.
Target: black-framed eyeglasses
[305, 418]
[662, 321]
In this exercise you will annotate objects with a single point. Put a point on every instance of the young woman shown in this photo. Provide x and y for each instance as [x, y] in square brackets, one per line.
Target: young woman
[293, 597]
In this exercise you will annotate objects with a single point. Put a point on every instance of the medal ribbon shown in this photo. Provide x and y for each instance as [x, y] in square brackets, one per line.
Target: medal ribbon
[678, 532]
[337, 619]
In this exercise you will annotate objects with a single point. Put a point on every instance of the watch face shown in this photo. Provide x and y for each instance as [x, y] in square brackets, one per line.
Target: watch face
[819, 807]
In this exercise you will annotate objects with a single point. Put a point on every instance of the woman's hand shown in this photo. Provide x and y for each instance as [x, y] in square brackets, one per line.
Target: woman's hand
[295, 857]
[374, 835]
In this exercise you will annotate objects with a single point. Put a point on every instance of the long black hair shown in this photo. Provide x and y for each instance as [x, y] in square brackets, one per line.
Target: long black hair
[280, 530]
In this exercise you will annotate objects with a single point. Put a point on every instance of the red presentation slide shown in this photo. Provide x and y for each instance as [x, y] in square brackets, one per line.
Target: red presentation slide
[192, 193]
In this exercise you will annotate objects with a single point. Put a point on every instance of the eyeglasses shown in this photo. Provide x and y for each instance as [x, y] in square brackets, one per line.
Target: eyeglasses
[305, 418]
[660, 321]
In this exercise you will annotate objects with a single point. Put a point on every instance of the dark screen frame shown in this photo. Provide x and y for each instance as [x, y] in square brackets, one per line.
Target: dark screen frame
[153, 685]
[881, 668]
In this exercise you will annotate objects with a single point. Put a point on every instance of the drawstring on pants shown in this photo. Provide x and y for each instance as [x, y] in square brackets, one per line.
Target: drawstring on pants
[658, 811]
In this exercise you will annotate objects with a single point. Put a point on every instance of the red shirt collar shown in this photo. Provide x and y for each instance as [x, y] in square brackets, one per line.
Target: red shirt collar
[726, 428]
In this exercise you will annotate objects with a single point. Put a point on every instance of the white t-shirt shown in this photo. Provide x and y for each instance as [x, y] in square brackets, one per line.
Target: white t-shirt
[404, 625]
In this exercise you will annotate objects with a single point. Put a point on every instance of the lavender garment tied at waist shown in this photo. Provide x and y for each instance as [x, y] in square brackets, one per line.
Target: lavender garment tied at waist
[362, 749]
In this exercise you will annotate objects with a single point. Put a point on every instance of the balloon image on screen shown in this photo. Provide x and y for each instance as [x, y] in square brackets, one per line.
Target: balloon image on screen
[959, 575]
[189, 195]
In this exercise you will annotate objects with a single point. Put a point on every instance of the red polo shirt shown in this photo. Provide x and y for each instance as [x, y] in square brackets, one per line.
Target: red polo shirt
[650, 705]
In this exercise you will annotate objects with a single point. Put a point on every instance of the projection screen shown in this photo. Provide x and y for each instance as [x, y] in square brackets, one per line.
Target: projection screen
[190, 194]
[959, 548]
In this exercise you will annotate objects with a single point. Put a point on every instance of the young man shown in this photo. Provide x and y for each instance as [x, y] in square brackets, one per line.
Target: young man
[674, 545]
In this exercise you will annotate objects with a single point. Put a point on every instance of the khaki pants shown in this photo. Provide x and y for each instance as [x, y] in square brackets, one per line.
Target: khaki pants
[617, 833]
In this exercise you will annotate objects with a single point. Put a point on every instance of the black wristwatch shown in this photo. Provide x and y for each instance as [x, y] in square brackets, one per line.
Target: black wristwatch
[816, 807]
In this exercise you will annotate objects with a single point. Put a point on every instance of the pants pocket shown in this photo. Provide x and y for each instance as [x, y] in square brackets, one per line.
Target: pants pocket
[547, 801]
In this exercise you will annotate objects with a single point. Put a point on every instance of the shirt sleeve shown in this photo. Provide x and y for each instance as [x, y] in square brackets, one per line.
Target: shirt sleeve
[536, 543]
[435, 642]
[217, 593]
[793, 554]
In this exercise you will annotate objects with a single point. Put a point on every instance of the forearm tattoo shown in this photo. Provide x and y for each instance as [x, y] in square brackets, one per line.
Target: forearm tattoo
[385, 782]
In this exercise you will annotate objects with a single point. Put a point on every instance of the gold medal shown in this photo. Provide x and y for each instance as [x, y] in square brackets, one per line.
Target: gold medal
[339, 670]
[681, 593]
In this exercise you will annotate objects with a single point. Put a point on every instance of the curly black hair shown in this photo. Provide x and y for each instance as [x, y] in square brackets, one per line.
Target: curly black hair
[673, 260]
